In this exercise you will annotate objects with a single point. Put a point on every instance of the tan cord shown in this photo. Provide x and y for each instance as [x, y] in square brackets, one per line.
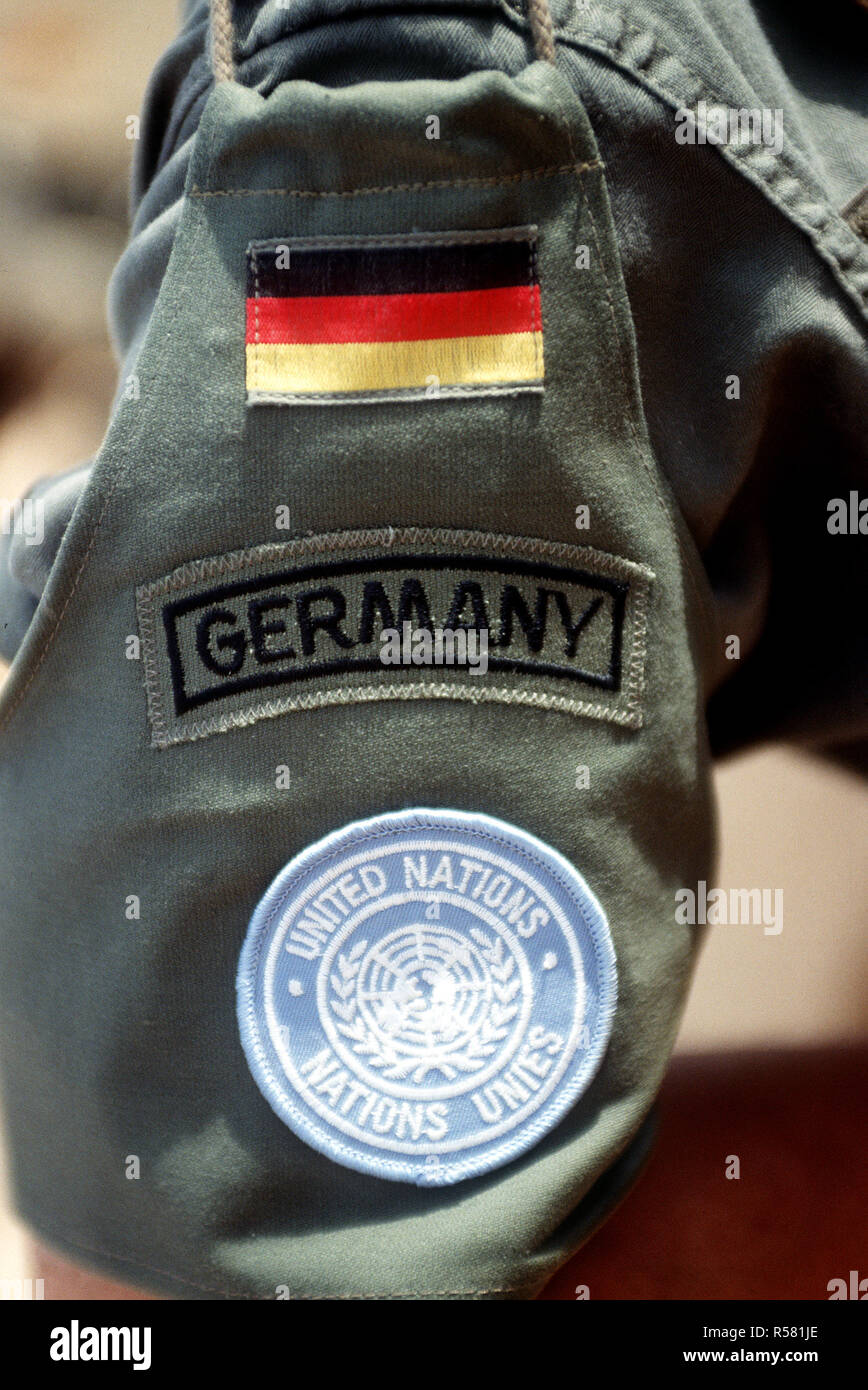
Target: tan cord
[543, 29]
[222, 40]
[222, 36]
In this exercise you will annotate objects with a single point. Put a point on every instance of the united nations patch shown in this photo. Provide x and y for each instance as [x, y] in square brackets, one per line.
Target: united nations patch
[424, 995]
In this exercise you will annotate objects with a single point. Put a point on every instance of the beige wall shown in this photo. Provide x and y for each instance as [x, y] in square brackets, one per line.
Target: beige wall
[797, 823]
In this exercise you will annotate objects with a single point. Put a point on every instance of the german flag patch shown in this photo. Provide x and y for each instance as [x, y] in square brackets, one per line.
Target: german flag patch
[416, 316]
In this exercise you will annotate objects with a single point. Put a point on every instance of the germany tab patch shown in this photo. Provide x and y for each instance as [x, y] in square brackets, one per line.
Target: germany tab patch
[398, 613]
[336, 320]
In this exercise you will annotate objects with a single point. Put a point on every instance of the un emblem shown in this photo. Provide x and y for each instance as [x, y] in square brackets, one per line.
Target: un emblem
[423, 995]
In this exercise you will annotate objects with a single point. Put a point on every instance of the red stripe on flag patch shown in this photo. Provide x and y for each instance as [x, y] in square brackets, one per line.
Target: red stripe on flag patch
[379, 318]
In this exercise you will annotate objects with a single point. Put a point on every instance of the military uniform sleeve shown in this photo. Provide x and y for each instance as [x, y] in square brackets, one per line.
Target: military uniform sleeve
[474, 415]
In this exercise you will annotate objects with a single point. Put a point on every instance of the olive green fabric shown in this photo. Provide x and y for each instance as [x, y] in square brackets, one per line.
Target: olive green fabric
[118, 1031]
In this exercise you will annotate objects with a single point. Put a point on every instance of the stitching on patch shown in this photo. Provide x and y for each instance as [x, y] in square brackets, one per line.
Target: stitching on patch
[467, 237]
[543, 172]
[269, 709]
[256, 369]
[536, 329]
[636, 680]
[153, 690]
[365, 397]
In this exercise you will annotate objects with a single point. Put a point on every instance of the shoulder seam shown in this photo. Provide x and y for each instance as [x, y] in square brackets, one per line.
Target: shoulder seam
[641, 55]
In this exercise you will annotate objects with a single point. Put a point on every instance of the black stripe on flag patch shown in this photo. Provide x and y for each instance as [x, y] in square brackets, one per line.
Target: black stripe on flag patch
[420, 268]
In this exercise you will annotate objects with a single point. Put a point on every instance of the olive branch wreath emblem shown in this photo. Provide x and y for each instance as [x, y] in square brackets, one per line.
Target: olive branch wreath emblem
[378, 1053]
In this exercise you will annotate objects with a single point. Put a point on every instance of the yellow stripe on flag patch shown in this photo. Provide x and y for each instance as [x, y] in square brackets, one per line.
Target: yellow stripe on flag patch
[324, 368]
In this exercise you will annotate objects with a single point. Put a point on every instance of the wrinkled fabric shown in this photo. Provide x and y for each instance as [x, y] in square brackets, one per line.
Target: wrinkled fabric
[727, 270]
[704, 263]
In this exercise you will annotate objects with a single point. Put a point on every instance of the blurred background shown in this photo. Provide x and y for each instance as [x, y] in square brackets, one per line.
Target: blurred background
[70, 75]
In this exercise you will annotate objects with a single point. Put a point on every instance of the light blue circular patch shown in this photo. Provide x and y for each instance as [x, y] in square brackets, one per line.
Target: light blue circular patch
[425, 994]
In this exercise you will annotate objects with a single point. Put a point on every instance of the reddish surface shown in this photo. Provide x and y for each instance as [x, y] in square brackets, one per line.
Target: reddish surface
[392, 318]
[797, 1216]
